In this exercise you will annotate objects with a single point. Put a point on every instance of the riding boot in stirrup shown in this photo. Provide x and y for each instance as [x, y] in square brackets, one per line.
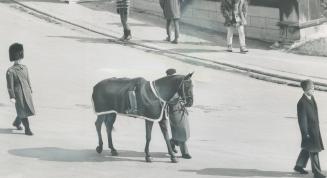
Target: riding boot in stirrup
[133, 103]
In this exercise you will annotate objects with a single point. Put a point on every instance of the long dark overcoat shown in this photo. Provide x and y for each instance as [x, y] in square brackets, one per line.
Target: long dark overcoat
[179, 123]
[19, 88]
[234, 12]
[171, 8]
[309, 124]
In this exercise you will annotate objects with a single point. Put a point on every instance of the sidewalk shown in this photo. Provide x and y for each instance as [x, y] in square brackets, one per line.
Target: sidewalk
[201, 46]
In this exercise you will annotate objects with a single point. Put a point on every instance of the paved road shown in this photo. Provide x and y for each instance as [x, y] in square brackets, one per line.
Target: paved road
[240, 127]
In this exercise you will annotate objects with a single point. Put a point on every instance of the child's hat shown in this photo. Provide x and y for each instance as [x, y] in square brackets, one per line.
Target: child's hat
[16, 52]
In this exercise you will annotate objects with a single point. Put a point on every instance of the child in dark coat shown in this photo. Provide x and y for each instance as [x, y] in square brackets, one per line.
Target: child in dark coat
[19, 88]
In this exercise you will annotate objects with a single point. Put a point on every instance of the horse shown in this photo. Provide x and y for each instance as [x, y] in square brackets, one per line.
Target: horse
[107, 101]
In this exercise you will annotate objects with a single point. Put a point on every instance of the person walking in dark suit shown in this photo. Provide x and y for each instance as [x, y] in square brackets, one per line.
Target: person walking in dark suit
[179, 123]
[172, 13]
[308, 119]
[19, 88]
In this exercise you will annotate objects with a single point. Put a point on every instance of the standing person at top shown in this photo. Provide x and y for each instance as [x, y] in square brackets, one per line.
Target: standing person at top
[234, 12]
[179, 123]
[172, 13]
[123, 11]
[308, 119]
[19, 88]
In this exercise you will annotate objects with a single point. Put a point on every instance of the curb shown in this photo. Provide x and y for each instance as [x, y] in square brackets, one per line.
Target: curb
[253, 73]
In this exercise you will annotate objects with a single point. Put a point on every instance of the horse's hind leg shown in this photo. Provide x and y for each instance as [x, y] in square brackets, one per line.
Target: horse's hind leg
[110, 120]
[98, 125]
[164, 130]
[148, 129]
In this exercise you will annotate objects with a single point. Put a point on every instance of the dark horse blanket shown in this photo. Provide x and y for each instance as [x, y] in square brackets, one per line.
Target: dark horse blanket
[111, 96]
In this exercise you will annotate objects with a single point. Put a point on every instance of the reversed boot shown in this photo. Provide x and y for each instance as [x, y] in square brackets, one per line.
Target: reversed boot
[27, 127]
[229, 48]
[133, 103]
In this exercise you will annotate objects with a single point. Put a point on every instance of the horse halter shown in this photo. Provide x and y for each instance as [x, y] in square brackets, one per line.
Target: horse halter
[184, 97]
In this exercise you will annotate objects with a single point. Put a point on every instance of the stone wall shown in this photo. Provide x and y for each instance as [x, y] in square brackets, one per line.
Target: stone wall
[262, 21]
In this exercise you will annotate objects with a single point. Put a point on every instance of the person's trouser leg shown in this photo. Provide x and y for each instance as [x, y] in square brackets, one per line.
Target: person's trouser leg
[124, 21]
[27, 126]
[168, 30]
[315, 164]
[241, 35]
[230, 34]
[176, 25]
[302, 159]
[183, 147]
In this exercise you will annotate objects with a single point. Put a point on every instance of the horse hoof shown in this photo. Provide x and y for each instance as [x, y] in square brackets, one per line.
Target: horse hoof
[174, 160]
[99, 149]
[114, 153]
[148, 159]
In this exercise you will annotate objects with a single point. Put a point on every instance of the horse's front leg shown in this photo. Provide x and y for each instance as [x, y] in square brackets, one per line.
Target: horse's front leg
[110, 120]
[98, 125]
[164, 130]
[148, 130]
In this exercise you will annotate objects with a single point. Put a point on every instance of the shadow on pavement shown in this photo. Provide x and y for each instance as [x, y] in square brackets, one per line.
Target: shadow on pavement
[85, 39]
[73, 155]
[183, 50]
[230, 172]
[10, 131]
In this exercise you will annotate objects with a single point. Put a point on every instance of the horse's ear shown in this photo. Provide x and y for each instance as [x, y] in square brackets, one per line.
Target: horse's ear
[188, 76]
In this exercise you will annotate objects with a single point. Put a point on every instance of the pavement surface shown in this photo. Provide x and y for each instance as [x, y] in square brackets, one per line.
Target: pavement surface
[196, 45]
[240, 127]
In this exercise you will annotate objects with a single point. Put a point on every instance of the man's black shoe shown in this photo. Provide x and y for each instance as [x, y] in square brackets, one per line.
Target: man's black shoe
[300, 170]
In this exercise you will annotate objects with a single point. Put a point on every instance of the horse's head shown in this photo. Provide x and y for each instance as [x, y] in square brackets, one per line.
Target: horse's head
[185, 90]
[171, 85]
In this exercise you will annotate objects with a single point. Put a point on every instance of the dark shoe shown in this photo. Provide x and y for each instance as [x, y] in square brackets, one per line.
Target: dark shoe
[128, 35]
[168, 38]
[173, 147]
[243, 49]
[18, 127]
[300, 170]
[186, 156]
[175, 41]
[28, 132]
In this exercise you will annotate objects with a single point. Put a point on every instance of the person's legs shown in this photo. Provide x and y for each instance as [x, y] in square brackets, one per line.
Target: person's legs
[241, 35]
[168, 23]
[230, 34]
[315, 165]
[176, 25]
[302, 161]
[27, 126]
[124, 20]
